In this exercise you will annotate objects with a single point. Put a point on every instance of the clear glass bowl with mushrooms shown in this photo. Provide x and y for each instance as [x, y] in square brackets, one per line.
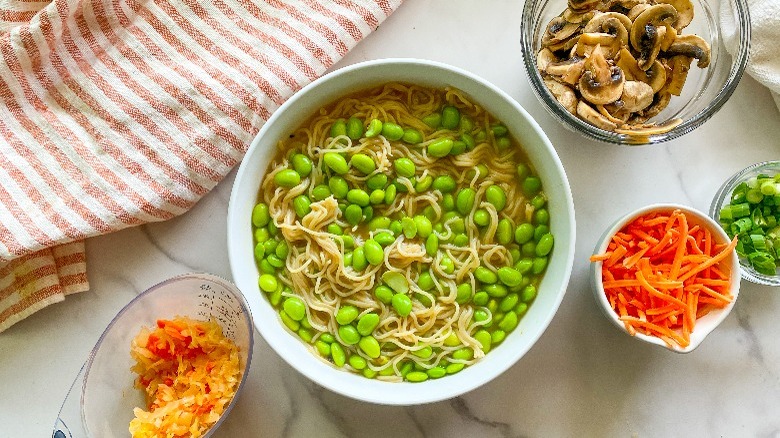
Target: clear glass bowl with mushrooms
[631, 71]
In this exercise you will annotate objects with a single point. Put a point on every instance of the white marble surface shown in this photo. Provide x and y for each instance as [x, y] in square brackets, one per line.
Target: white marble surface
[583, 377]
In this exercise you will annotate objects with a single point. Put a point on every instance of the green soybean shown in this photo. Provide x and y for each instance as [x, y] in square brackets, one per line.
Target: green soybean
[432, 120]
[409, 227]
[545, 245]
[444, 183]
[481, 298]
[464, 293]
[509, 322]
[338, 355]
[509, 276]
[499, 130]
[540, 264]
[349, 241]
[417, 376]
[455, 368]
[524, 265]
[485, 275]
[448, 202]
[432, 244]
[363, 163]
[268, 283]
[484, 339]
[508, 302]
[384, 238]
[524, 233]
[369, 373]
[336, 163]
[436, 372]
[496, 196]
[260, 215]
[370, 346]
[402, 304]
[460, 240]
[354, 128]
[367, 323]
[390, 193]
[353, 214]
[305, 334]
[289, 322]
[396, 281]
[266, 268]
[480, 315]
[383, 294]
[302, 205]
[359, 197]
[349, 334]
[346, 314]
[357, 362]
[392, 131]
[270, 246]
[379, 222]
[295, 308]
[412, 136]
[481, 217]
[447, 265]
[359, 261]
[404, 167]
[540, 231]
[376, 197]
[374, 252]
[465, 200]
[262, 234]
[323, 348]
[287, 178]
[425, 281]
[374, 128]
[320, 192]
[522, 171]
[338, 186]
[424, 352]
[424, 226]
[465, 353]
[259, 252]
[302, 164]
[497, 336]
[440, 148]
[450, 117]
[496, 290]
[528, 294]
[368, 213]
[504, 232]
[458, 147]
[348, 259]
[423, 184]
[541, 216]
[377, 181]
[503, 143]
[339, 127]
[538, 201]
[282, 249]
[468, 140]
[275, 261]
[531, 185]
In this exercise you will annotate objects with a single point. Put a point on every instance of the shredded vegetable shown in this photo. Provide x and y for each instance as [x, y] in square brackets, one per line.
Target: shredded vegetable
[660, 275]
[189, 371]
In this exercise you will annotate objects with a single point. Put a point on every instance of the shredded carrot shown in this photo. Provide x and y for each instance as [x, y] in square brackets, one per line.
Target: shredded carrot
[660, 275]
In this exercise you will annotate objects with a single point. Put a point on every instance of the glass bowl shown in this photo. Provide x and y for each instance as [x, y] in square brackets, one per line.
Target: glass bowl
[100, 403]
[705, 90]
[723, 197]
[705, 324]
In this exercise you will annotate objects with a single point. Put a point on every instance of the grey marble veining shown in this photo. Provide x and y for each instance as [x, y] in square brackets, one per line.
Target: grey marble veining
[582, 378]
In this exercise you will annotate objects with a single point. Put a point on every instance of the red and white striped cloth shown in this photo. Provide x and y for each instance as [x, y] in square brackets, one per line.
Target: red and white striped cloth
[115, 113]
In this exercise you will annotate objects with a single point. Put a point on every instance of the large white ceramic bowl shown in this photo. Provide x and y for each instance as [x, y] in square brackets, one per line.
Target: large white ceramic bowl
[345, 81]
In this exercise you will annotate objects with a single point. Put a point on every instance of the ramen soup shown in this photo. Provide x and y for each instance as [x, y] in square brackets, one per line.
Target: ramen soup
[401, 232]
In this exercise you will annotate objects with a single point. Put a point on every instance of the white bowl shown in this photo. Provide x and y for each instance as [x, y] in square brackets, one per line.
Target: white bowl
[299, 108]
[704, 325]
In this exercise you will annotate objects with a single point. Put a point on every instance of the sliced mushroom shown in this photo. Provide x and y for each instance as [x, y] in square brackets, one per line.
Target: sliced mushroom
[558, 30]
[660, 102]
[544, 58]
[608, 44]
[684, 10]
[668, 37]
[577, 17]
[692, 46]
[636, 10]
[565, 45]
[645, 35]
[587, 113]
[649, 129]
[636, 96]
[569, 70]
[600, 83]
[583, 5]
[619, 118]
[603, 22]
[626, 61]
[563, 94]
[623, 6]
[655, 76]
[680, 65]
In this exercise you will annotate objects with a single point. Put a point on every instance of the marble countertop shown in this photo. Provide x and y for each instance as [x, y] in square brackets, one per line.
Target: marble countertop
[583, 377]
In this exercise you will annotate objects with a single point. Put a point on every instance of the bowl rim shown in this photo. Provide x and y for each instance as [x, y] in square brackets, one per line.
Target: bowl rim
[576, 124]
[720, 199]
[201, 275]
[697, 337]
[480, 379]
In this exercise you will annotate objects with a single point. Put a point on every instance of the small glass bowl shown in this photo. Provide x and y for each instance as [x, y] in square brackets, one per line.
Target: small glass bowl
[723, 197]
[705, 90]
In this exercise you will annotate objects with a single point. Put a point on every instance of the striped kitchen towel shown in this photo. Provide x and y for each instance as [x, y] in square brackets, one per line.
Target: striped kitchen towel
[115, 113]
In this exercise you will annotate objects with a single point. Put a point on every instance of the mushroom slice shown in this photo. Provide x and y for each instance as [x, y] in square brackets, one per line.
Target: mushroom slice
[558, 30]
[692, 46]
[587, 113]
[660, 102]
[655, 76]
[544, 58]
[600, 83]
[583, 5]
[636, 96]
[626, 61]
[608, 44]
[684, 10]
[680, 65]
[619, 118]
[569, 70]
[603, 22]
[563, 94]
[564, 45]
[645, 34]
[623, 6]
[636, 10]
[577, 17]
[670, 34]
[649, 129]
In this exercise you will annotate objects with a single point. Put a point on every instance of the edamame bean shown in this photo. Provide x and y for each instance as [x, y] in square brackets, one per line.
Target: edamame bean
[509, 322]
[481, 298]
[349, 334]
[484, 339]
[323, 348]
[268, 283]
[295, 308]
[396, 281]
[289, 322]
[392, 131]
[282, 249]
[336, 163]
[368, 213]
[338, 186]
[485, 275]
[412, 136]
[359, 261]
[503, 143]
[363, 163]
[261, 235]
[499, 130]
[468, 140]
[440, 148]
[509, 276]
[432, 120]
[354, 128]
[540, 264]
[402, 304]
[425, 281]
[465, 353]
[531, 185]
[275, 261]
[348, 259]
[409, 227]
[327, 337]
[447, 265]
[353, 214]
[260, 215]
[432, 244]
[481, 217]
[460, 240]
[302, 205]
[464, 293]
[508, 303]
[497, 336]
[287, 178]
[359, 197]
[541, 216]
[496, 291]
[259, 252]
[404, 167]
[320, 192]
[524, 265]
[302, 164]
[528, 294]
[305, 334]
[376, 197]
[339, 127]
[349, 241]
[369, 373]
[465, 200]
[367, 323]
[346, 314]
[417, 376]
[524, 233]
[458, 147]
[379, 222]
[338, 355]
[448, 202]
[377, 181]
[384, 239]
[374, 252]
[444, 183]
[424, 226]
[266, 268]
[374, 128]
[504, 231]
[383, 294]
[455, 367]
[357, 362]
[540, 231]
[436, 372]
[514, 252]
[545, 245]
[424, 352]
[528, 248]
[390, 193]
[423, 184]
[538, 201]
[450, 117]
[370, 346]
[480, 315]
[496, 196]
